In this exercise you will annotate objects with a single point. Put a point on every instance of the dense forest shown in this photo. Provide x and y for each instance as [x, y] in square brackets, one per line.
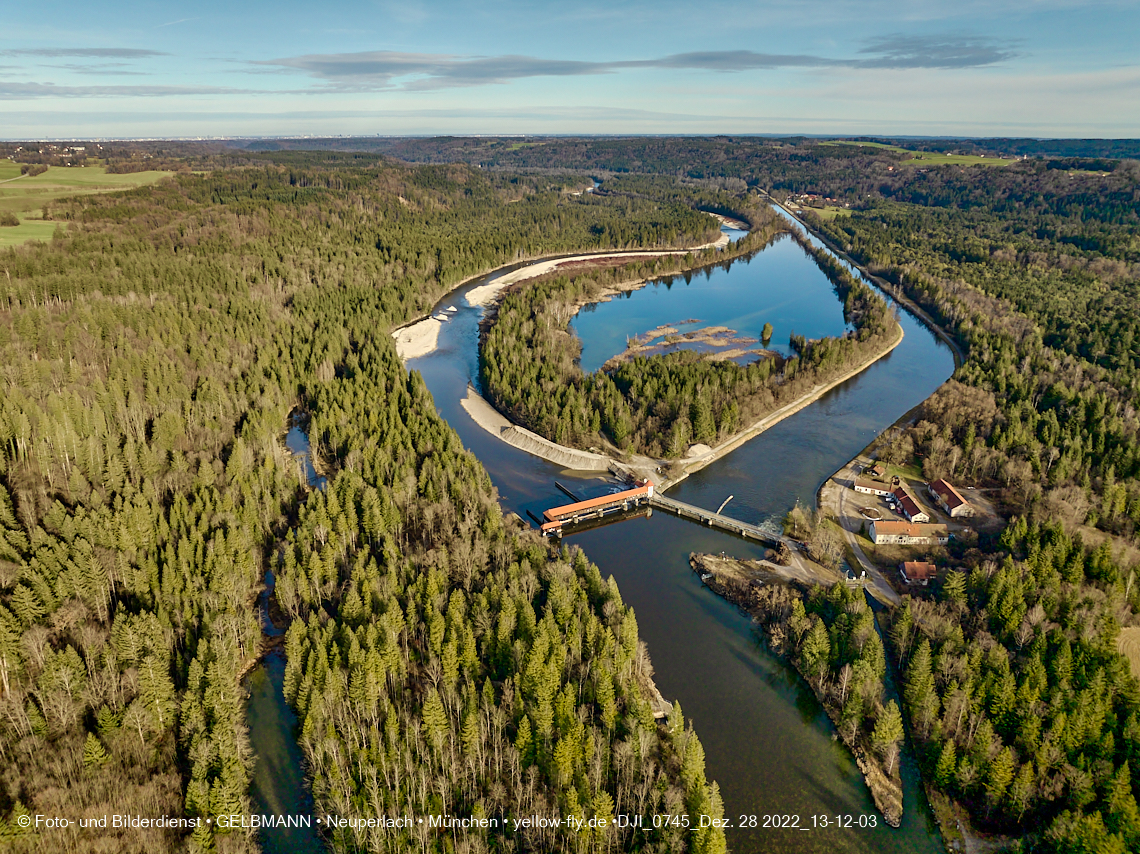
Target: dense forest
[1035, 272]
[1019, 703]
[830, 636]
[439, 658]
[658, 405]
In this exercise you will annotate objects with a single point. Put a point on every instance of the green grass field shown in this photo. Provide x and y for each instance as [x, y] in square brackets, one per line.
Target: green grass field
[8, 169]
[28, 229]
[935, 158]
[830, 211]
[930, 158]
[26, 197]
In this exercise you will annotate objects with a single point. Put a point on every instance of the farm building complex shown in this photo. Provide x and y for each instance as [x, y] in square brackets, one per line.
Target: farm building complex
[950, 499]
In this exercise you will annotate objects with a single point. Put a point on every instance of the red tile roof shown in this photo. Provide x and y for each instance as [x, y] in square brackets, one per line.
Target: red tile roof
[946, 491]
[909, 506]
[917, 570]
[556, 513]
[909, 529]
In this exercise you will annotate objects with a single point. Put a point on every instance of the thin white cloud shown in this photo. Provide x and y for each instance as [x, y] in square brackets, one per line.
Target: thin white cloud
[89, 52]
[10, 90]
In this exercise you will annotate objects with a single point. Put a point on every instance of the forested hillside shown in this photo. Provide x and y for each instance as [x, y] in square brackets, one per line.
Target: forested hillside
[1020, 705]
[151, 356]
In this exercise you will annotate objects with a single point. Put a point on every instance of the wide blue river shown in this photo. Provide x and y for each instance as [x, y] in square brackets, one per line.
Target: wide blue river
[767, 742]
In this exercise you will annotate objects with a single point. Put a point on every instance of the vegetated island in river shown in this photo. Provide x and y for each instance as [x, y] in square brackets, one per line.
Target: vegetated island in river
[674, 412]
[828, 634]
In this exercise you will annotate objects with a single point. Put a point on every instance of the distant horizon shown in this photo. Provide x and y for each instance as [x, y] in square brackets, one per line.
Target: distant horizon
[790, 135]
[1057, 69]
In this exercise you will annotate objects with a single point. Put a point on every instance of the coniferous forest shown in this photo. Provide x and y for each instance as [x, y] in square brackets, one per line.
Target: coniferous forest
[1019, 705]
[659, 405]
[438, 657]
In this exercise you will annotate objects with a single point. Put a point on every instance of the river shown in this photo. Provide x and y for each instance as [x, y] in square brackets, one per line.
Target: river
[279, 786]
[768, 744]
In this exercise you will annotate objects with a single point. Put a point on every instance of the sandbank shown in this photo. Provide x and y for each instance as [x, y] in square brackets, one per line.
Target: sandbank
[485, 294]
[418, 339]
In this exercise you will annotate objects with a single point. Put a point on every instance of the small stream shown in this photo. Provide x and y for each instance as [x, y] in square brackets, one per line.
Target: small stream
[279, 786]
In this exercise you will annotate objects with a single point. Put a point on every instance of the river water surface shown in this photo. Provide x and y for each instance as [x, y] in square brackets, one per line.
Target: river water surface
[776, 286]
[279, 786]
[767, 742]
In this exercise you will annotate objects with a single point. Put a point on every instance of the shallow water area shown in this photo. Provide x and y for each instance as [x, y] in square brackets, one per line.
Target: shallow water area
[297, 441]
[768, 744]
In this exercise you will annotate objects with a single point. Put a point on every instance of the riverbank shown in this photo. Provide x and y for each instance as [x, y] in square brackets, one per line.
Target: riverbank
[696, 463]
[745, 583]
[665, 473]
[744, 572]
[497, 424]
[892, 290]
[421, 337]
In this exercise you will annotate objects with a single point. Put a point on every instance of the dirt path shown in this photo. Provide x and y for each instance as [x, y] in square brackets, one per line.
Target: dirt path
[745, 570]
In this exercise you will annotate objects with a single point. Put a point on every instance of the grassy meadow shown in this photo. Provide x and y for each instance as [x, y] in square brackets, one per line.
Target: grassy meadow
[931, 158]
[26, 197]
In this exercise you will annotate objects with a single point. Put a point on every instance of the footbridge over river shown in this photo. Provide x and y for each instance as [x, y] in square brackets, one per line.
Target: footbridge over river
[718, 520]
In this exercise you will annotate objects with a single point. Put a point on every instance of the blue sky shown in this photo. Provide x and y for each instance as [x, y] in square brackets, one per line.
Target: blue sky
[134, 69]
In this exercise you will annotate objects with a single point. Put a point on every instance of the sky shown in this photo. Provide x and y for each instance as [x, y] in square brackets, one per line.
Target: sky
[1058, 68]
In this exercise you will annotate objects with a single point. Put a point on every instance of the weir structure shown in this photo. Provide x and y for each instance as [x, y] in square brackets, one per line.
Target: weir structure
[595, 508]
[556, 519]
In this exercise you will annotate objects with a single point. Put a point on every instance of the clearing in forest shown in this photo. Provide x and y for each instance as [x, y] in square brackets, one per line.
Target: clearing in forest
[26, 196]
[1129, 645]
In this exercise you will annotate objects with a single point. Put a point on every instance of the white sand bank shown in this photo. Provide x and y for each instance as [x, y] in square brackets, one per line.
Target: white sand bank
[417, 340]
[485, 294]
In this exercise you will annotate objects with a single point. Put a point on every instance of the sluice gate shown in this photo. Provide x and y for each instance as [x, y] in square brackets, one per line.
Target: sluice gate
[556, 518]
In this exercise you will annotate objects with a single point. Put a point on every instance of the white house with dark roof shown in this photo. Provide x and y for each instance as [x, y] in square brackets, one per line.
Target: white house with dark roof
[887, 532]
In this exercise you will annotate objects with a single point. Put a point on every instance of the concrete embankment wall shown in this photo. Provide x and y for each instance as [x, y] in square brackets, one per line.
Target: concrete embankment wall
[532, 443]
[490, 420]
